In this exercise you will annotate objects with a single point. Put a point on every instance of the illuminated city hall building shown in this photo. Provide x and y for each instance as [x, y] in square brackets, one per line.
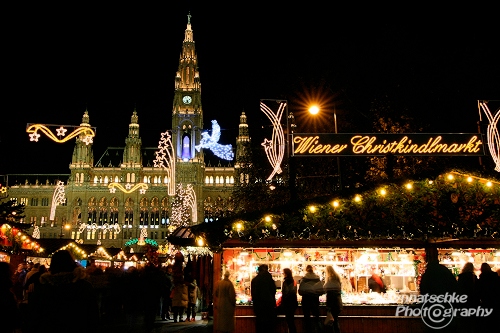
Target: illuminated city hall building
[135, 192]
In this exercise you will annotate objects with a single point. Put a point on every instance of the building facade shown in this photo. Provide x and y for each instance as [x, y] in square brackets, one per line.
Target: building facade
[134, 192]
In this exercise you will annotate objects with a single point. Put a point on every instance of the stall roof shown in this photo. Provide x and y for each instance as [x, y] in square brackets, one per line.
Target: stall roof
[379, 243]
[51, 245]
[182, 236]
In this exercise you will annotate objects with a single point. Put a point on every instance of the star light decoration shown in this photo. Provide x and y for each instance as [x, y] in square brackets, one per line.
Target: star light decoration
[492, 133]
[128, 187]
[184, 206]
[274, 148]
[212, 142]
[58, 198]
[165, 159]
[60, 136]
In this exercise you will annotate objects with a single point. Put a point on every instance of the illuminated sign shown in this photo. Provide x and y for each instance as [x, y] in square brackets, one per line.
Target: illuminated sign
[414, 144]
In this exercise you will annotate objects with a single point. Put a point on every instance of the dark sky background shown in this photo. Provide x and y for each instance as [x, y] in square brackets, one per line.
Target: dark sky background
[61, 60]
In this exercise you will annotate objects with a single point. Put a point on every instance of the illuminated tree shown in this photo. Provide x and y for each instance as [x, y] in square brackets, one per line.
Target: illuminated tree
[181, 211]
[11, 211]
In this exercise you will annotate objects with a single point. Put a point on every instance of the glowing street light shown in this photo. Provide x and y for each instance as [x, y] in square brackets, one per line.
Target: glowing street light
[314, 110]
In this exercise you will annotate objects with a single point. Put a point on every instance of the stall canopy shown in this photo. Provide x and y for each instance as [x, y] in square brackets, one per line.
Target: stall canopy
[182, 236]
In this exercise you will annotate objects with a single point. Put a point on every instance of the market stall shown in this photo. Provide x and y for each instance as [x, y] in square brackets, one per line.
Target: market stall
[399, 263]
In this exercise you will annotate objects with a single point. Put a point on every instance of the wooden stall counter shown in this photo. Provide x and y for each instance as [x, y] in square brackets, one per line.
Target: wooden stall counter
[353, 319]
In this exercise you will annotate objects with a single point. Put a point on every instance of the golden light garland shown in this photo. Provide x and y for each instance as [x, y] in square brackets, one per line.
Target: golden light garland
[128, 187]
[33, 129]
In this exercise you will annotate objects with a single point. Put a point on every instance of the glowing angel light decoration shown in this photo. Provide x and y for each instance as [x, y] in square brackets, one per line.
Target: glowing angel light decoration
[58, 198]
[33, 129]
[492, 134]
[128, 187]
[212, 142]
[165, 159]
[274, 148]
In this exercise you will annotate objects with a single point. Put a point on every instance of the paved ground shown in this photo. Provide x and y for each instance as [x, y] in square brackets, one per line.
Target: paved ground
[198, 326]
[136, 325]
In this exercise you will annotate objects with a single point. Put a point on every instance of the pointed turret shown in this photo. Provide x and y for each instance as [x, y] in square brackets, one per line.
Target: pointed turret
[132, 153]
[83, 157]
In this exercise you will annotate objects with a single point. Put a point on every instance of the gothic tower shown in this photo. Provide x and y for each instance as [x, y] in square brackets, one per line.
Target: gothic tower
[187, 120]
[132, 152]
[83, 156]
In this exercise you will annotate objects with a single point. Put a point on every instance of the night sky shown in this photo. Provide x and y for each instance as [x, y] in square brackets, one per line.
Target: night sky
[108, 59]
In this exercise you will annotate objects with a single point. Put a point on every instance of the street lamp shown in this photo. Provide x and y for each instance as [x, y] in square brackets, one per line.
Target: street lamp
[314, 110]
[290, 125]
[64, 226]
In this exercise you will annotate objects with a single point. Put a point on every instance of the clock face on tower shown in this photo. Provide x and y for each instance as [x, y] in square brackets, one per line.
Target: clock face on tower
[186, 99]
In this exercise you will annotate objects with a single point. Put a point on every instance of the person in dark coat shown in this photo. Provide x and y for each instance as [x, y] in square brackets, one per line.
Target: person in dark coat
[132, 303]
[166, 301]
[151, 279]
[193, 297]
[467, 285]
[289, 301]
[437, 280]
[8, 302]
[310, 289]
[263, 290]
[489, 295]
[32, 297]
[68, 302]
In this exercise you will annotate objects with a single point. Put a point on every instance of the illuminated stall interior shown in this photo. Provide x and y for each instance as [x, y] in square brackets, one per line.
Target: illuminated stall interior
[400, 269]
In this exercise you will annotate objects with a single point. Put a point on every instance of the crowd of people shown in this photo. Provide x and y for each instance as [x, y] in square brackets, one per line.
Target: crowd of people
[67, 297]
[266, 308]
[481, 292]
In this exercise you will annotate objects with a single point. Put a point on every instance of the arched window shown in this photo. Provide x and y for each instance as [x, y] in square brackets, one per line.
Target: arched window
[164, 218]
[144, 213]
[129, 213]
